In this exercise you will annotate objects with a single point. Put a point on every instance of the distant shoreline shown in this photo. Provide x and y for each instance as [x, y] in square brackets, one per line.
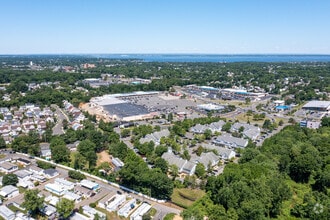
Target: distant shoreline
[214, 58]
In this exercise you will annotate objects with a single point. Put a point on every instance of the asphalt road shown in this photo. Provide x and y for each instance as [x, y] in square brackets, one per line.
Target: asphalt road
[58, 128]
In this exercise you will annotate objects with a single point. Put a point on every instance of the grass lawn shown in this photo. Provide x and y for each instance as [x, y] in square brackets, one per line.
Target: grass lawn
[110, 215]
[169, 216]
[186, 197]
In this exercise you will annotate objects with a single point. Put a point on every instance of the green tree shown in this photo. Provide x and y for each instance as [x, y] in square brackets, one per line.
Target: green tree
[76, 175]
[247, 101]
[125, 133]
[60, 153]
[9, 179]
[32, 202]
[226, 127]
[88, 149]
[64, 208]
[208, 134]
[161, 164]
[267, 124]
[325, 122]
[200, 170]
[2, 143]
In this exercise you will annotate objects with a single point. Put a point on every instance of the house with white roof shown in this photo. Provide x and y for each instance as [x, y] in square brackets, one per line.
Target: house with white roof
[9, 191]
[91, 212]
[114, 203]
[89, 184]
[140, 211]
[6, 213]
[55, 188]
[72, 196]
[127, 208]
[65, 183]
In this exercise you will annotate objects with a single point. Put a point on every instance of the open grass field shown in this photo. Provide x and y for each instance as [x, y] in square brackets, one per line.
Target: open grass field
[186, 197]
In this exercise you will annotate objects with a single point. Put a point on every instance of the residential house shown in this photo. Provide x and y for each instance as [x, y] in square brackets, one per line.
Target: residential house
[207, 159]
[7, 167]
[55, 188]
[65, 183]
[9, 191]
[6, 213]
[224, 153]
[72, 196]
[249, 131]
[140, 211]
[89, 184]
[83, 191]
[23, 175]
[23, 162]
[73, 146]
[213, 127]
[230, 141]
[91, 212]
[127, 208]
[36, 170]
[118, 164]
[155, 137]
[49, 211]
[50, 173]
[184, 166]
[106, 200]
[115, 202]
[53, 200]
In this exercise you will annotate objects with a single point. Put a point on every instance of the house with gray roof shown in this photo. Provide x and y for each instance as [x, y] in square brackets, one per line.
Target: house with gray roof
[198, 129]
[230, 141]
[50, 173]
[223, 152]
[208, 158]
[155, 137]
[22, 174]
[183, 165]
[249, 131]
[214, 127]
[8, 167]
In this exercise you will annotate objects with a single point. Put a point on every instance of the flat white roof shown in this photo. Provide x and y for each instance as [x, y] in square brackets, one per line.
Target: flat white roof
[210, 106]
[62, 181]
[317, 104]
[6, 212]
[54, 187]
[89, 184]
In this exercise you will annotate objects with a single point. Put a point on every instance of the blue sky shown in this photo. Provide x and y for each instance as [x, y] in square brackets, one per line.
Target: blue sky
[165, 26]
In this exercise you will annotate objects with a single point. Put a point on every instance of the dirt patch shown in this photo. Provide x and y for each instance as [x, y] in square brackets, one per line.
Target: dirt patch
[103, 157]
[95, 110]
[177, 217]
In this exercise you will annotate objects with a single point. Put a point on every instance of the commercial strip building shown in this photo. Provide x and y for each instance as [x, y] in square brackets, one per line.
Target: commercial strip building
[117, 108]
[317, 106]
